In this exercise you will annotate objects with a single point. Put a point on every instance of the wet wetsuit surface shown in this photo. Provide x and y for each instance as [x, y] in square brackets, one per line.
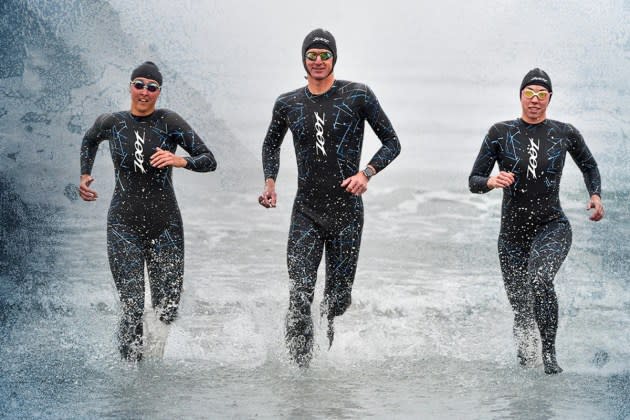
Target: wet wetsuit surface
[144, 223]
[328, 136]
[535, 234]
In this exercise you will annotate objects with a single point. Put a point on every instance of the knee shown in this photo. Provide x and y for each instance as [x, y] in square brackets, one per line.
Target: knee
[542, 284]
[523, 317]
[521, 297]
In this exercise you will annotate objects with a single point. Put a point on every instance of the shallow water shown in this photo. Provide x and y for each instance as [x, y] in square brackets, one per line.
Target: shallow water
[428, 334]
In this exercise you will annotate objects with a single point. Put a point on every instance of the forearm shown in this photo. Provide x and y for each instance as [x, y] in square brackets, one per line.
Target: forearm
[270, 158]
[278, 128]
[479, 184]
[271, 166]
[89, 146]
[482, 168]
[386, 154]
[200, 157]
[593, 182]
[88, 155]
[202, 162]
[390, 144]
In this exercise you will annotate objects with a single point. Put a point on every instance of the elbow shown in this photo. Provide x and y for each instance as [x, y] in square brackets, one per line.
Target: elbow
[209, 164]
[200, 166]
[397, 146]
[393, 150]
[471, 185]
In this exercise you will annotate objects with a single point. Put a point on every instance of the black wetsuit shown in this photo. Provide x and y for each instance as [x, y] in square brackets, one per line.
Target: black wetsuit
[144, 223]
[535, 234]
[328, 136]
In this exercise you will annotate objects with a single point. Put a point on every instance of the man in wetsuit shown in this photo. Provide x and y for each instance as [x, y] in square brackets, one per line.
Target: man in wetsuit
[535, 234]
[144, 225]
[327, 119]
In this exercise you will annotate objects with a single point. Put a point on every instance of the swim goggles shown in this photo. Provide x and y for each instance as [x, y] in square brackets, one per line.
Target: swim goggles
[541, 95]
[151, 87]
[325, 55]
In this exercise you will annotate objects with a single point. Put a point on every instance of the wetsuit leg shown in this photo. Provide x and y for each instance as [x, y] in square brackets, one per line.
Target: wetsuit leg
[126, 261]
[165, 266]
[549, 250]
[304, 253]
[514, 260]
[342, 255]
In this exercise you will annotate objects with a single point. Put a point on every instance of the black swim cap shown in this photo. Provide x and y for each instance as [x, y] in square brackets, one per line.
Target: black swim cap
[536, 77]
[320, 38]
[148, 70]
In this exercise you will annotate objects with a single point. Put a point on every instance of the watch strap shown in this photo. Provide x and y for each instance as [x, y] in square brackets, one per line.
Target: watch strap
[368, 172]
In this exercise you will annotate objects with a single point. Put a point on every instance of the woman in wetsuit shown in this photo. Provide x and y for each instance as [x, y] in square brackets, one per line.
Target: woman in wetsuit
[144, 225]
[535, 234]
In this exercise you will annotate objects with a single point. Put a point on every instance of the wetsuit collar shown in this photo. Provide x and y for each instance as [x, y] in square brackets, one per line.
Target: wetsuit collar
[309, 94]
[142, 117]
[532, 124]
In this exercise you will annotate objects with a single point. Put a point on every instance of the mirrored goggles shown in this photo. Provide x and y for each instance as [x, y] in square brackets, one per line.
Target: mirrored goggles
[151, 86]
[324, 55]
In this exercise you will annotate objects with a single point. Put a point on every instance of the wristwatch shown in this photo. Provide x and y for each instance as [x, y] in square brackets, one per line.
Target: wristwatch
[368, 172]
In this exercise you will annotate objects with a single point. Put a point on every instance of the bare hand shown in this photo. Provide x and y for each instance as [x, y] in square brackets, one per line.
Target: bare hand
[356, 184]
[596, 203]
[268, 197]
[85, 192]
[502, 180]
[163, 158]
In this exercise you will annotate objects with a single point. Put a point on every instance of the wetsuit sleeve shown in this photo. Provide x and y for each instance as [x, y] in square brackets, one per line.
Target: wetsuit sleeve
[201, 158]
[383, 129]
[93, 137]
[585, 161]
[478, 179]
[273, 140]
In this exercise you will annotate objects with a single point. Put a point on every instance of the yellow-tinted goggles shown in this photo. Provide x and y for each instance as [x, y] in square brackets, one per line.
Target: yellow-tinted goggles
[541, 95]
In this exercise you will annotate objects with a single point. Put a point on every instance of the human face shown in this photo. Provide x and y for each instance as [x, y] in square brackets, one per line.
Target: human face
[142, 100]
[534, 109]
[318, 69]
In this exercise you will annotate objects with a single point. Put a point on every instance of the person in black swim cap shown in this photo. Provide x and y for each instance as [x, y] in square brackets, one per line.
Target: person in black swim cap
[319, 40]
[144, 224]
[535, 234]
[148, 70]
[326, 118]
